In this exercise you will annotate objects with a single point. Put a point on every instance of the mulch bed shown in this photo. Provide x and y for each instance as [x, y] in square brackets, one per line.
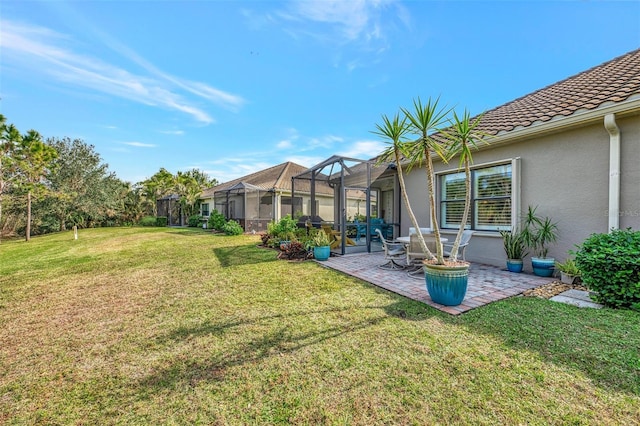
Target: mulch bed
[552, 289]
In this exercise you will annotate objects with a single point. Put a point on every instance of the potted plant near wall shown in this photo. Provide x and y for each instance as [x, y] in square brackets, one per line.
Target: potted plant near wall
[515, 249]
[446, 279]
[321, 245]
[569, 271]
[538, 233]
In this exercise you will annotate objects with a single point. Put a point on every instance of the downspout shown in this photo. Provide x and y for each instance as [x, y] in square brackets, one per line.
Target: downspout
[614, 171]
[277, 205]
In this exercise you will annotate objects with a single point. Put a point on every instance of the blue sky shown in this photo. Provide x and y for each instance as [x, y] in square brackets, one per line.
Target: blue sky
[232, 87]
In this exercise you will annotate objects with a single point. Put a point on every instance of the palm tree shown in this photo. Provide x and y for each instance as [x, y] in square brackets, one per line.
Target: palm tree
[462, 135]
[424, 121]
[394, 130]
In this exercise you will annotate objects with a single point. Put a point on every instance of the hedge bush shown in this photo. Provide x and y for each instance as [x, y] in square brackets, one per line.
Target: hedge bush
[148, 221]
[216, 220]
[232, 228]
[161, 221]
[194, 221]
[610, 265]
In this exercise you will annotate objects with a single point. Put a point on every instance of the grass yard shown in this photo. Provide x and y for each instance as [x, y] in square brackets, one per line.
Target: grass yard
[149, 326]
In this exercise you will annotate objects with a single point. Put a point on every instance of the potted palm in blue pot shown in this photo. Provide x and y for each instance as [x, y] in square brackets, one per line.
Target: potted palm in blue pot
[446, 279]
[538, 233]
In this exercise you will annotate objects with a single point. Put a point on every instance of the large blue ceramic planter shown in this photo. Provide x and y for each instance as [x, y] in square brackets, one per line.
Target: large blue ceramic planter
[322, 252]
[543, 267]
[515, 265]
[446, 285]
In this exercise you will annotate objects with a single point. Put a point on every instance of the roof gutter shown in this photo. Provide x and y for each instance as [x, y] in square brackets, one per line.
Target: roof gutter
[614, 171]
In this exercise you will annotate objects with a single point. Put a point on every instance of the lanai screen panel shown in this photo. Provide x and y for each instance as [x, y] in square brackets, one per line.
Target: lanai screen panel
[248, 204]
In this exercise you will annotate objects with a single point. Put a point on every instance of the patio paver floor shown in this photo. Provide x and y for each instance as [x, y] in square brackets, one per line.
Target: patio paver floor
[486, 283]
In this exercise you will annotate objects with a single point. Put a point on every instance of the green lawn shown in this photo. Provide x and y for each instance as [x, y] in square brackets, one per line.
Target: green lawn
[149, 326]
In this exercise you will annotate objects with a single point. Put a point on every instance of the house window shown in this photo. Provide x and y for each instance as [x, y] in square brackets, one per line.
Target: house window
[204, 209]
[285, 206]
[490, 199]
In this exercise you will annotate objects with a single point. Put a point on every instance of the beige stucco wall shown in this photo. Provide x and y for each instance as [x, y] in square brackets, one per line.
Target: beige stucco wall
[566, 175]
[630, 173]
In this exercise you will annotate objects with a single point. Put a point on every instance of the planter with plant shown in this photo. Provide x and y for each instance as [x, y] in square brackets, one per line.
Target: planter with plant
[515, 249]
[446, 279]
[569, 271]
[321, 245]
[538, 233]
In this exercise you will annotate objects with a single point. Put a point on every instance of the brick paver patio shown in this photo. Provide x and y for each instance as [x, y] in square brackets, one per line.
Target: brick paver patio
[486, 283]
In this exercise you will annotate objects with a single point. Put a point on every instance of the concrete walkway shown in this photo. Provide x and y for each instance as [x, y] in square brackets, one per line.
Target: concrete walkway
[579, 298]
[486, 283]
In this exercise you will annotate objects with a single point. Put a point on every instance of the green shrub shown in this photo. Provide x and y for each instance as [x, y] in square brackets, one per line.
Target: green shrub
[194, 220]
[216, 220]
[232, 228]
[284, 229]
[610, 266]
[148, 221]
[161, 221]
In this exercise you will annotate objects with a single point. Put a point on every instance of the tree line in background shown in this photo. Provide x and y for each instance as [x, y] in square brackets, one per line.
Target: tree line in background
[54, 184]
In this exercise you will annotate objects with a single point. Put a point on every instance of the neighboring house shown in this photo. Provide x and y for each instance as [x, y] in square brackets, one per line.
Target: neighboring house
[572, 149]
[257, 199]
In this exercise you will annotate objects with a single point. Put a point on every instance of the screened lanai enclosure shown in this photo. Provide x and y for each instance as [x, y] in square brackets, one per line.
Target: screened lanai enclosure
[251, 206]
[365, 199]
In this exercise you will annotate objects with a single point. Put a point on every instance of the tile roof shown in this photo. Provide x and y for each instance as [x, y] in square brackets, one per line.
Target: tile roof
[611, 82]
[276, 178]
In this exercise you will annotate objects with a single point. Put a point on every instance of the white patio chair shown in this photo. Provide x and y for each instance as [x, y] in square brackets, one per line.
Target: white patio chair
[415, 255]
[392, 253]
[464, 242]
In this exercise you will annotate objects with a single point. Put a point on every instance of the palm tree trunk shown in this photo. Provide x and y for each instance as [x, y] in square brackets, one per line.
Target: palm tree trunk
[467, 207]
[405, 199]
[432, 206]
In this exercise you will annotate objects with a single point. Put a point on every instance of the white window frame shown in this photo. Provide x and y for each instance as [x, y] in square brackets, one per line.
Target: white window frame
[515, 193]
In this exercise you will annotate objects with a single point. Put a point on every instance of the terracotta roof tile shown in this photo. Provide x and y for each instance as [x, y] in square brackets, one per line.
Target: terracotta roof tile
[612, 81]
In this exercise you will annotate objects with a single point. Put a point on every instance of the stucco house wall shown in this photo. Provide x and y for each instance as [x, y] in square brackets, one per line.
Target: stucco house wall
[565, 174]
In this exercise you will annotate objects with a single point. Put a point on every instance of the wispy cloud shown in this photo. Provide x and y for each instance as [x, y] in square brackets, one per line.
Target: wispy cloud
[326, 141]
[363, 24]
[353, 20]
[172, 132]
[289, 141]
[363, 149]
[284, 144]
[40, 50]
[139, 144]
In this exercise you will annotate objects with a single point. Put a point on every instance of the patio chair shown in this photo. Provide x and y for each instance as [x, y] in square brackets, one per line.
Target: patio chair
[415, 255]
[376, 225]
[392, 253]
[464, 242]
[328, 229]
[361, 229]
